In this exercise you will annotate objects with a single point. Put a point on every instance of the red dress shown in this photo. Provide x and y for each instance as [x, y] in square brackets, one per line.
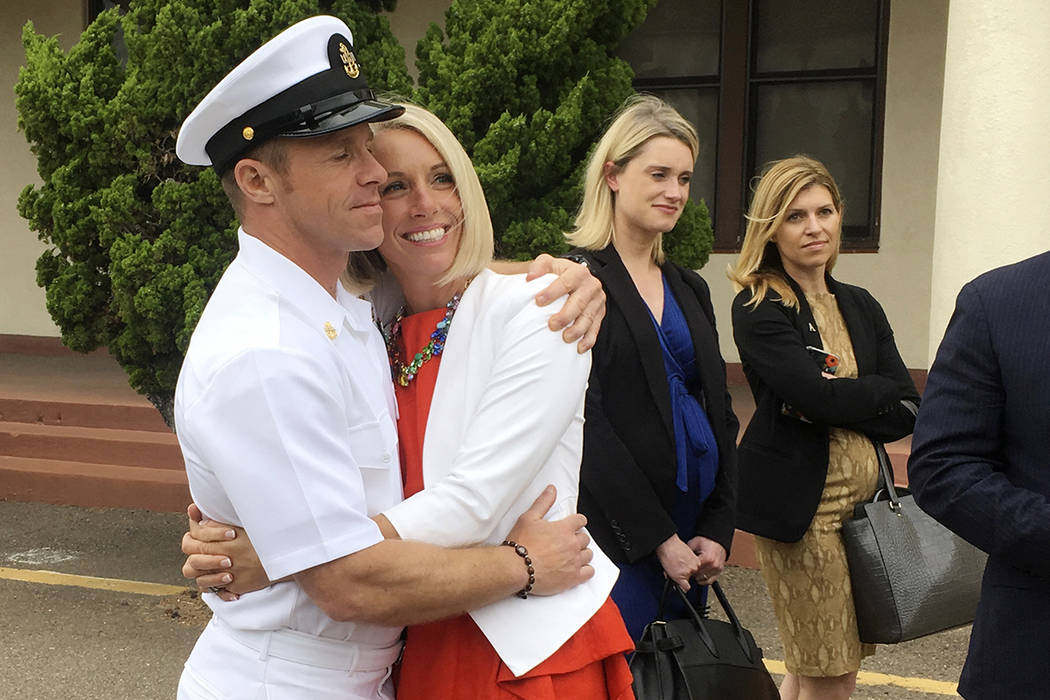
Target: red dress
[451, 659]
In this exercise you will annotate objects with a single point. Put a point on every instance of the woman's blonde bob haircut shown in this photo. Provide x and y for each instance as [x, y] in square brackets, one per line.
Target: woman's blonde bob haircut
[759, 267]
[641, 118]
[475, 242]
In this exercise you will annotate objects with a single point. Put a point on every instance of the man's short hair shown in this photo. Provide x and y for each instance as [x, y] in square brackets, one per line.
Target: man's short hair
[271, 153]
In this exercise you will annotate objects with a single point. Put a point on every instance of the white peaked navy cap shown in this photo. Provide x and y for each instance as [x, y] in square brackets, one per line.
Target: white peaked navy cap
[306, 81]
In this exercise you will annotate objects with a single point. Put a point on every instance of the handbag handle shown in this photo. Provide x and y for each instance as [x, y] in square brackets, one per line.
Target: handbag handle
[693, 612]
[887, 477]
[705, 636]
[738, 629]
[886, 468]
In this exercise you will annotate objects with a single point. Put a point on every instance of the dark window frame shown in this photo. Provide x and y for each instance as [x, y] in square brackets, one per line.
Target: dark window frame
[92, 8]
[736, 120]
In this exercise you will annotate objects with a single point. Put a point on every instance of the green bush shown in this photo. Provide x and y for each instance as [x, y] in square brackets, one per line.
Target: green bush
[136, 240]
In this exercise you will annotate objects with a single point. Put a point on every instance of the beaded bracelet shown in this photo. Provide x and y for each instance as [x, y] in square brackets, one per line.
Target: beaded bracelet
[520, 550]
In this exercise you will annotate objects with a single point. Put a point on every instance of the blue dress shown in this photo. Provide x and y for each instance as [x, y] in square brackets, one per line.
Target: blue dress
[638, 590]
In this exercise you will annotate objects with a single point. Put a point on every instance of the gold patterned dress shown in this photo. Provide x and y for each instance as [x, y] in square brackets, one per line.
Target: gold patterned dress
[808, 580]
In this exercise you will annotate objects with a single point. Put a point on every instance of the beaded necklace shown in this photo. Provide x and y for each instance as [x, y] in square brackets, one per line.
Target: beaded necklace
[403, 374]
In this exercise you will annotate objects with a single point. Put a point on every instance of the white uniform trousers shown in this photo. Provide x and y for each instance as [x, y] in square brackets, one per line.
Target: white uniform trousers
[229, 664]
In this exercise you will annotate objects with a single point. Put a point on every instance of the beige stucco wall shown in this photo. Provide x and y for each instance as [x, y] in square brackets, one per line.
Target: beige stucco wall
[991, 202]
[22, 301]
[899, 274]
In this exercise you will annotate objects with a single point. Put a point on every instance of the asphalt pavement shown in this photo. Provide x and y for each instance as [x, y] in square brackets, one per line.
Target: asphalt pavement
[67, 637]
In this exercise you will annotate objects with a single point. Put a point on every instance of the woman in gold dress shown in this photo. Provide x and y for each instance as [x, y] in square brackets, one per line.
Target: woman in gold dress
[827, 379]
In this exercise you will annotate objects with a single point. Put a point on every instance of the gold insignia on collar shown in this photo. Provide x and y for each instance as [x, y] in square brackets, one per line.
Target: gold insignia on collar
[349, 61]
[330, 330]
[248, 133]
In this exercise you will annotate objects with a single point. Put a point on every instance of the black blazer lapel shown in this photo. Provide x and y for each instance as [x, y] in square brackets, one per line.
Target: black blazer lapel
[621, 290]
[807, 326]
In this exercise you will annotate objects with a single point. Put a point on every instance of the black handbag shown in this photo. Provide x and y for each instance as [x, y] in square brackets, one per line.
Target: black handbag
[911, 575]
[699, 658]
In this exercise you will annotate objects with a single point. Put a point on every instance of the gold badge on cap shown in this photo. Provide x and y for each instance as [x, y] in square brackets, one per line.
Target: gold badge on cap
[349, 61]
[330, 330]
[248, 133]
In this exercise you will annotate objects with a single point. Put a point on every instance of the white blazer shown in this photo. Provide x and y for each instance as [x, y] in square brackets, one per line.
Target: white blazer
[505, 421]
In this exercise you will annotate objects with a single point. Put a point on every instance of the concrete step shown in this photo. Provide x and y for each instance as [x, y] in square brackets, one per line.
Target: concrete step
[85, 414]
[130, 448]
[72, 431]
[93, 485]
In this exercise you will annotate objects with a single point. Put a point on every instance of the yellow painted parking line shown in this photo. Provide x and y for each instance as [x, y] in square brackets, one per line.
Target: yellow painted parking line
[921, 685]
[55, 578]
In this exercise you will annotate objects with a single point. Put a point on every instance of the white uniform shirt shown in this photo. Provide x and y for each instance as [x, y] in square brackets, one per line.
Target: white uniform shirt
[285, 414]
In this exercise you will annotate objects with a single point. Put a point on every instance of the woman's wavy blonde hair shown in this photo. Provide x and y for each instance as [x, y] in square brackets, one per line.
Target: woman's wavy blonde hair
[759, 267]
[641, 118]
[476, 241]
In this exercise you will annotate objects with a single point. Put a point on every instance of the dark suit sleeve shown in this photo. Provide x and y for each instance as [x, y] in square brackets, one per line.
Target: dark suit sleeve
[956, 469]
[898, 420]
[618, 485]
[770, 344]
[718, 517]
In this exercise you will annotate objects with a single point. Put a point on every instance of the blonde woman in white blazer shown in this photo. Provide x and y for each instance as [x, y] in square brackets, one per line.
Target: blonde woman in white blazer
[505, 420]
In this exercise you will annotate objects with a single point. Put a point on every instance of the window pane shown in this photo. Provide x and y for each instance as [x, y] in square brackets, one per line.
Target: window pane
[831, 121]
[97, 6]
[110, 4]
[794, 35]
[699, 106]
[678, 38]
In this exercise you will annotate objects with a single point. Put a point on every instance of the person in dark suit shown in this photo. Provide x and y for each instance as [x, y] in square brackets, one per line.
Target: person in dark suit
[657, 482]
[980, 465]
[827, 379]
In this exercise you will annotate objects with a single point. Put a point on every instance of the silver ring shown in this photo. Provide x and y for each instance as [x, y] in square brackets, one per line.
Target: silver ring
[216, 589]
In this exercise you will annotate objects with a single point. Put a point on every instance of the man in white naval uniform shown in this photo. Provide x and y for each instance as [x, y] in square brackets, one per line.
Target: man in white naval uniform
[284, 407]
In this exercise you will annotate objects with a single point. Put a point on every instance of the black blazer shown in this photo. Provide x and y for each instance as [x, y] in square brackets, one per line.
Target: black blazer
[784, 460]
[627, 480]
[980, 464]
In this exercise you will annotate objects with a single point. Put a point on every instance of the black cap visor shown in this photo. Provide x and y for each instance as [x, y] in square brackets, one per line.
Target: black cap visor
[324, 121]
[268, 120]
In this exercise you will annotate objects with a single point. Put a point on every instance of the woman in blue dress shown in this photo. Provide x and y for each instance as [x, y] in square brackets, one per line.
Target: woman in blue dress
[659, 461]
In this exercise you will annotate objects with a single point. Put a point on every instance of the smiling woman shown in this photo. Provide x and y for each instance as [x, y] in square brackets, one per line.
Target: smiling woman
[490, 411]
[651, 188]
[422, 217]
[658, 475]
